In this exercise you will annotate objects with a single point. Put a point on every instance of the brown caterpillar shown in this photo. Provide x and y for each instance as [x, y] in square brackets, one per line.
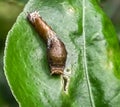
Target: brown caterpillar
[56, 50]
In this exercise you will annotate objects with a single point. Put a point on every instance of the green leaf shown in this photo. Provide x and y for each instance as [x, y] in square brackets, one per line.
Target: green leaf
[92, 63]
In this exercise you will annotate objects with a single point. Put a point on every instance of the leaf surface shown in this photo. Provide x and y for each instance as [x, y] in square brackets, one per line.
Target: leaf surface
[92, 62]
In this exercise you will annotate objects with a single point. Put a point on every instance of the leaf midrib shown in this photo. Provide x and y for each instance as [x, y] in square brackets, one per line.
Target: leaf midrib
[85, 59]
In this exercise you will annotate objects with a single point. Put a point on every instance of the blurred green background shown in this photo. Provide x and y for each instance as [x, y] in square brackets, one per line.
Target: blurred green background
[10, 9]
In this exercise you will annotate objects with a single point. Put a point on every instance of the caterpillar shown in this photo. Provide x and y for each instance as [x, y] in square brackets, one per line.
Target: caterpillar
[56, 51]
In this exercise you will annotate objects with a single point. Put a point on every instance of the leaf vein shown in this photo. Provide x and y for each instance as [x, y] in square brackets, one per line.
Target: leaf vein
[85, 58]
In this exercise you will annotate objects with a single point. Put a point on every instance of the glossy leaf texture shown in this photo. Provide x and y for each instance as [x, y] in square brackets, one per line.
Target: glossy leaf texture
[93, 61]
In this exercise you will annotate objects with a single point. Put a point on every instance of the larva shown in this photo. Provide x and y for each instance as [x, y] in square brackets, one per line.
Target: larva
[56, 51]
